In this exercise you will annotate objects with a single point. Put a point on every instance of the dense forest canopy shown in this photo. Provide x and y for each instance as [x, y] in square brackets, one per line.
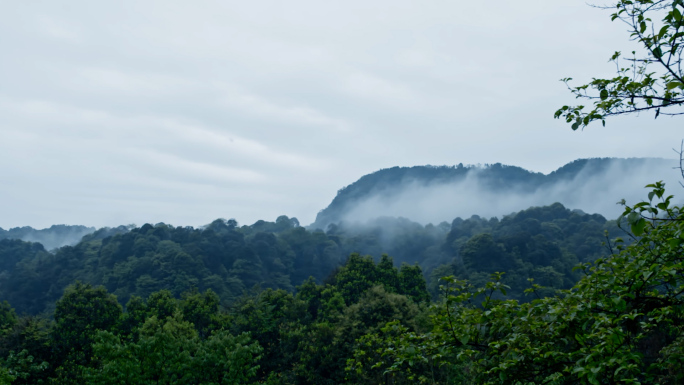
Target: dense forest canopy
[270, 336]
[229, 259]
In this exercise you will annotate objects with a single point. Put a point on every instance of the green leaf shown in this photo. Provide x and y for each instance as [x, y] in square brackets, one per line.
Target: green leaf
[638, 227]
[673, 85]
[663, 31]
[657, 52]
[633, 217]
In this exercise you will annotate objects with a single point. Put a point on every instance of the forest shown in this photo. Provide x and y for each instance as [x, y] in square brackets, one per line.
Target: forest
[290, 305]
[541, 242]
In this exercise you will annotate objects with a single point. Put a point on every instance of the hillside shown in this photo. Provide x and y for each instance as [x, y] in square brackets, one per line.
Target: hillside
[52, 237]
[439, 193]
[231, 259]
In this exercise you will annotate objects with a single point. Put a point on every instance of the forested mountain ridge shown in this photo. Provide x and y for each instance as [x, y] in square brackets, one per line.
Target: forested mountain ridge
[542, 242]
[52, 237]
[295, 305]
[309, 299]
[437, 193]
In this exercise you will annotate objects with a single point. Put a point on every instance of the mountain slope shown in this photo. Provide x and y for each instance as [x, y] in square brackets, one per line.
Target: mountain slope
[50, 238]
[429, 194]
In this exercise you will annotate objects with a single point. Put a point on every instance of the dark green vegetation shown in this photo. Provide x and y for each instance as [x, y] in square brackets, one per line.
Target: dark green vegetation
[368, 322]
[543, 243]
[622, 322]
[188, 292]
[269, 336]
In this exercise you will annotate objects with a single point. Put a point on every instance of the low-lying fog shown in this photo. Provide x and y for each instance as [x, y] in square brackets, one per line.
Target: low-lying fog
[588, 191]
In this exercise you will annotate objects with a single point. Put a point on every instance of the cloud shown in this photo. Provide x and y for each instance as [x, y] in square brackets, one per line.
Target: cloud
[379, 90]
[261, 108]
[279, 114]
[113, 80]
[58, 28]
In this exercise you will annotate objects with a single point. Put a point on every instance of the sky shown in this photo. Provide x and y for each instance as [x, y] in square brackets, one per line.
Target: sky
[135, 112]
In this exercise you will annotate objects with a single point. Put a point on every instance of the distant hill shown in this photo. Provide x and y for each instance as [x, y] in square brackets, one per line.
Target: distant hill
[431, 194]
[50, 238]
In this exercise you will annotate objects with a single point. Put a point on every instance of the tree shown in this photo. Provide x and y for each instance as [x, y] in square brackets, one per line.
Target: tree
[163, 354]
[200, 309]
[482, 253]
[225, 359]
[80, 312]
[25, 350]
[8, 318]
[623, 322]
[412, 283]
[652, 79]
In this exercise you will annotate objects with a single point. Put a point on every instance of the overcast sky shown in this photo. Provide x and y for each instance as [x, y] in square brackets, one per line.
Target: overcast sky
[182, 112]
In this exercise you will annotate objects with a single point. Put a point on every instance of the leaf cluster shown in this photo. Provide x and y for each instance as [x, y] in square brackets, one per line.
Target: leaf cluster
[651, 78]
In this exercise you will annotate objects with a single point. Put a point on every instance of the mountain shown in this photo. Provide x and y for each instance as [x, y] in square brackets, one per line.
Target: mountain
[431, 194]
[50, 238]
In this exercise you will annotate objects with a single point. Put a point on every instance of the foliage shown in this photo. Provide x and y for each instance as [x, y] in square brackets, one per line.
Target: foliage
[658, 27]
[231, 259]
[360, 273]
[80, 312]
[25, 349]
[194, 283]
[25, 368]
[8, 318]
[621, 323]
[543, 243]
[5, 377]
[170, 352]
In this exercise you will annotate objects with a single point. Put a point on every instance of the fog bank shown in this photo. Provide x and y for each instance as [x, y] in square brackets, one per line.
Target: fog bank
[597, 187]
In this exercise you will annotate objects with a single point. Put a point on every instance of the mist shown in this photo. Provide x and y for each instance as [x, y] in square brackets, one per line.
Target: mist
[51, 238]
[590, 190]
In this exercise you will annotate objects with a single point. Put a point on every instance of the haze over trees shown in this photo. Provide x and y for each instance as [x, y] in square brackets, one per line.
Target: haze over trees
[432, 194]
[51, 238]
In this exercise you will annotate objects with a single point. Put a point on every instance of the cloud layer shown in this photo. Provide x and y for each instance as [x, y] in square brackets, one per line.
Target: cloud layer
[112, 113]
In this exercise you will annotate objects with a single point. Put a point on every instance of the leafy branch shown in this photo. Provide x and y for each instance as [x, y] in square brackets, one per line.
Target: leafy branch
[638, 86]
